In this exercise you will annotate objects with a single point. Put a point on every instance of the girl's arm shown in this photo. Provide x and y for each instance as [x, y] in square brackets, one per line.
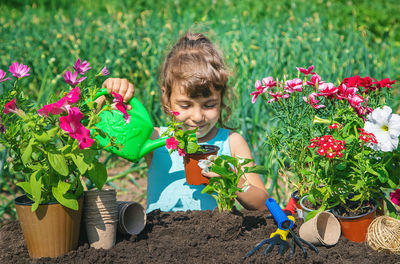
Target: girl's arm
[256, 195]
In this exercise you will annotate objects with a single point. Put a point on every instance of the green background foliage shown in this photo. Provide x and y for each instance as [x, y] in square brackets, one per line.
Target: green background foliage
[259, 38]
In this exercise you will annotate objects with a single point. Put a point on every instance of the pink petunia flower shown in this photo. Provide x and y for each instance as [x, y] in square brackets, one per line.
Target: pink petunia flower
[72, 124]
[71, 78]
[172, 143]
[121, 106]
[62, 105]
[395, 197]
[19, 70]
[306, 71]
[2, 75]
[313, 101]
[11, 107]
[83, 67]
[105, 71]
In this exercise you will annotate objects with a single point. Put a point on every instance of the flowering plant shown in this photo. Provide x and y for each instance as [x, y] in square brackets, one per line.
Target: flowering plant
[225, 187]
[55, 145]
[183, 141]
[330, 142]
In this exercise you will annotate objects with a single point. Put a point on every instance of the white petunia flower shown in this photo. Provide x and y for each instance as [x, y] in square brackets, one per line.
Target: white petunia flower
[386, 128]
[205, 165]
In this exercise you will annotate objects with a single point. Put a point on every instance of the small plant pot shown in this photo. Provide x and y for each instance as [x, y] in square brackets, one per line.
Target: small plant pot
[305, 210]
[323, 229]
[355, 228]
[101, 216]
[131, 218]
[192, 169]
[52, 230]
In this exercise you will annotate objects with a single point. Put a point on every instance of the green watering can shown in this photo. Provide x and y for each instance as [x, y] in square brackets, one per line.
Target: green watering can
[134, 136]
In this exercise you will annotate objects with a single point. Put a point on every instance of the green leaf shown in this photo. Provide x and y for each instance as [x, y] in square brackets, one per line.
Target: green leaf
[35, 183]
[26, 187]
[26, 156]
[221, 170]
[341, 166]
[192, 147]
[98, 174]
[58, 163]
[79, 162]
[60, 192]
[256, 169]
[42, 138]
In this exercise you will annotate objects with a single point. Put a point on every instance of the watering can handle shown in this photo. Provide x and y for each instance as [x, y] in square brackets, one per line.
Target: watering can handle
[134, 136]
[103, 91]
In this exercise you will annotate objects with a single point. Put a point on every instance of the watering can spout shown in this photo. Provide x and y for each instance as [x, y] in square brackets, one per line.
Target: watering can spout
[134, 138]
[151, 145]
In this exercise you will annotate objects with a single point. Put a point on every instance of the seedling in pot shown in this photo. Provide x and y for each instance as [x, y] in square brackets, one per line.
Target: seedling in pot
[230, 169]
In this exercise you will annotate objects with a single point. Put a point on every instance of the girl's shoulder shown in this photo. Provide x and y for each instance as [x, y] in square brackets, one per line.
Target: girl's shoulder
[238, 145]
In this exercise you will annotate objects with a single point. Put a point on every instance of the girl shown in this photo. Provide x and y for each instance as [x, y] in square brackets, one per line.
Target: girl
[193, 81]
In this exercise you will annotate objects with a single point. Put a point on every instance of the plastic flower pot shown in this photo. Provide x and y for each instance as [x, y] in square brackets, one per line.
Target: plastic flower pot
[131, 218]
[355, 228]
[52, 230]
[192, 170]
[322, 229]
[100, 215]
[305, 209]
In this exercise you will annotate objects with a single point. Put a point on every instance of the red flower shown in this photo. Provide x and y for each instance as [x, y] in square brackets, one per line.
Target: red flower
[383, 83]
[334, 126]
[172, 143]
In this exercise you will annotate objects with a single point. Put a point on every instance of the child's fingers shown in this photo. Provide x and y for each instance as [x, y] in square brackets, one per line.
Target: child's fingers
[209, 174]
[130, 92]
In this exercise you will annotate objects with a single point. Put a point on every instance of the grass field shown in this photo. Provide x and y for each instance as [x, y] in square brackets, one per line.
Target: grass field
[341, 38]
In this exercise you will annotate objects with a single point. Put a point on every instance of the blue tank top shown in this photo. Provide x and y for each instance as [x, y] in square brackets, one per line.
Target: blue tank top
[167, 188]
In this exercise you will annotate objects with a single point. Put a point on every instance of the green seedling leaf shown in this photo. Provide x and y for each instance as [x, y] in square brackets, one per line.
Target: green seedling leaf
[35, 183]
[60, 192]
[26, 156]
[257, 169]
[58, 163]
[98, 174]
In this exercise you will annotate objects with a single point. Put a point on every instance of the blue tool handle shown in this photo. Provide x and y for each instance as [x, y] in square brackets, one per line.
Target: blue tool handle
[280, 217]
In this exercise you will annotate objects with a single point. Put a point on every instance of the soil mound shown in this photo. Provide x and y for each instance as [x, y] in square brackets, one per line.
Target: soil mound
[194, 237]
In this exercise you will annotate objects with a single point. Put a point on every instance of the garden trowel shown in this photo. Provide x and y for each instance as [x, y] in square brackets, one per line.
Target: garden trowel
[135, 136]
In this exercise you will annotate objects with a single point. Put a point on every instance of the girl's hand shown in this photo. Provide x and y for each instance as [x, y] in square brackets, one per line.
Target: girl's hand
[120, 86]
[209, 174]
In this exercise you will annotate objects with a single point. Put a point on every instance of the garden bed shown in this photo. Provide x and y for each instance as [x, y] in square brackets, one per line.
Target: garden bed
[193, 237]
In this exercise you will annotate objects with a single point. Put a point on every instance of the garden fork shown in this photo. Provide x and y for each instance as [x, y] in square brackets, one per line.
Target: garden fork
[285, 225]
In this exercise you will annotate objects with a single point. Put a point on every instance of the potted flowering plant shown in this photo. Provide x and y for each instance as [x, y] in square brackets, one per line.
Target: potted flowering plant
[341, 151]
[53, 147]
[224, 188]
[185, 143]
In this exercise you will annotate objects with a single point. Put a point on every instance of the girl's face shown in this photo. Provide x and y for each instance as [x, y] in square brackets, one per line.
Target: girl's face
[201, 112]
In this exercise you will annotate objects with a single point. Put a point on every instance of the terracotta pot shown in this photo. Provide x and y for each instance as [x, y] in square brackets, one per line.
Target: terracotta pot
[52, 230]
[192, 170]
[355, 228]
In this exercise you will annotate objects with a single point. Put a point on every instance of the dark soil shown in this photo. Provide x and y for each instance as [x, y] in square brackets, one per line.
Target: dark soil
[193, 237]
